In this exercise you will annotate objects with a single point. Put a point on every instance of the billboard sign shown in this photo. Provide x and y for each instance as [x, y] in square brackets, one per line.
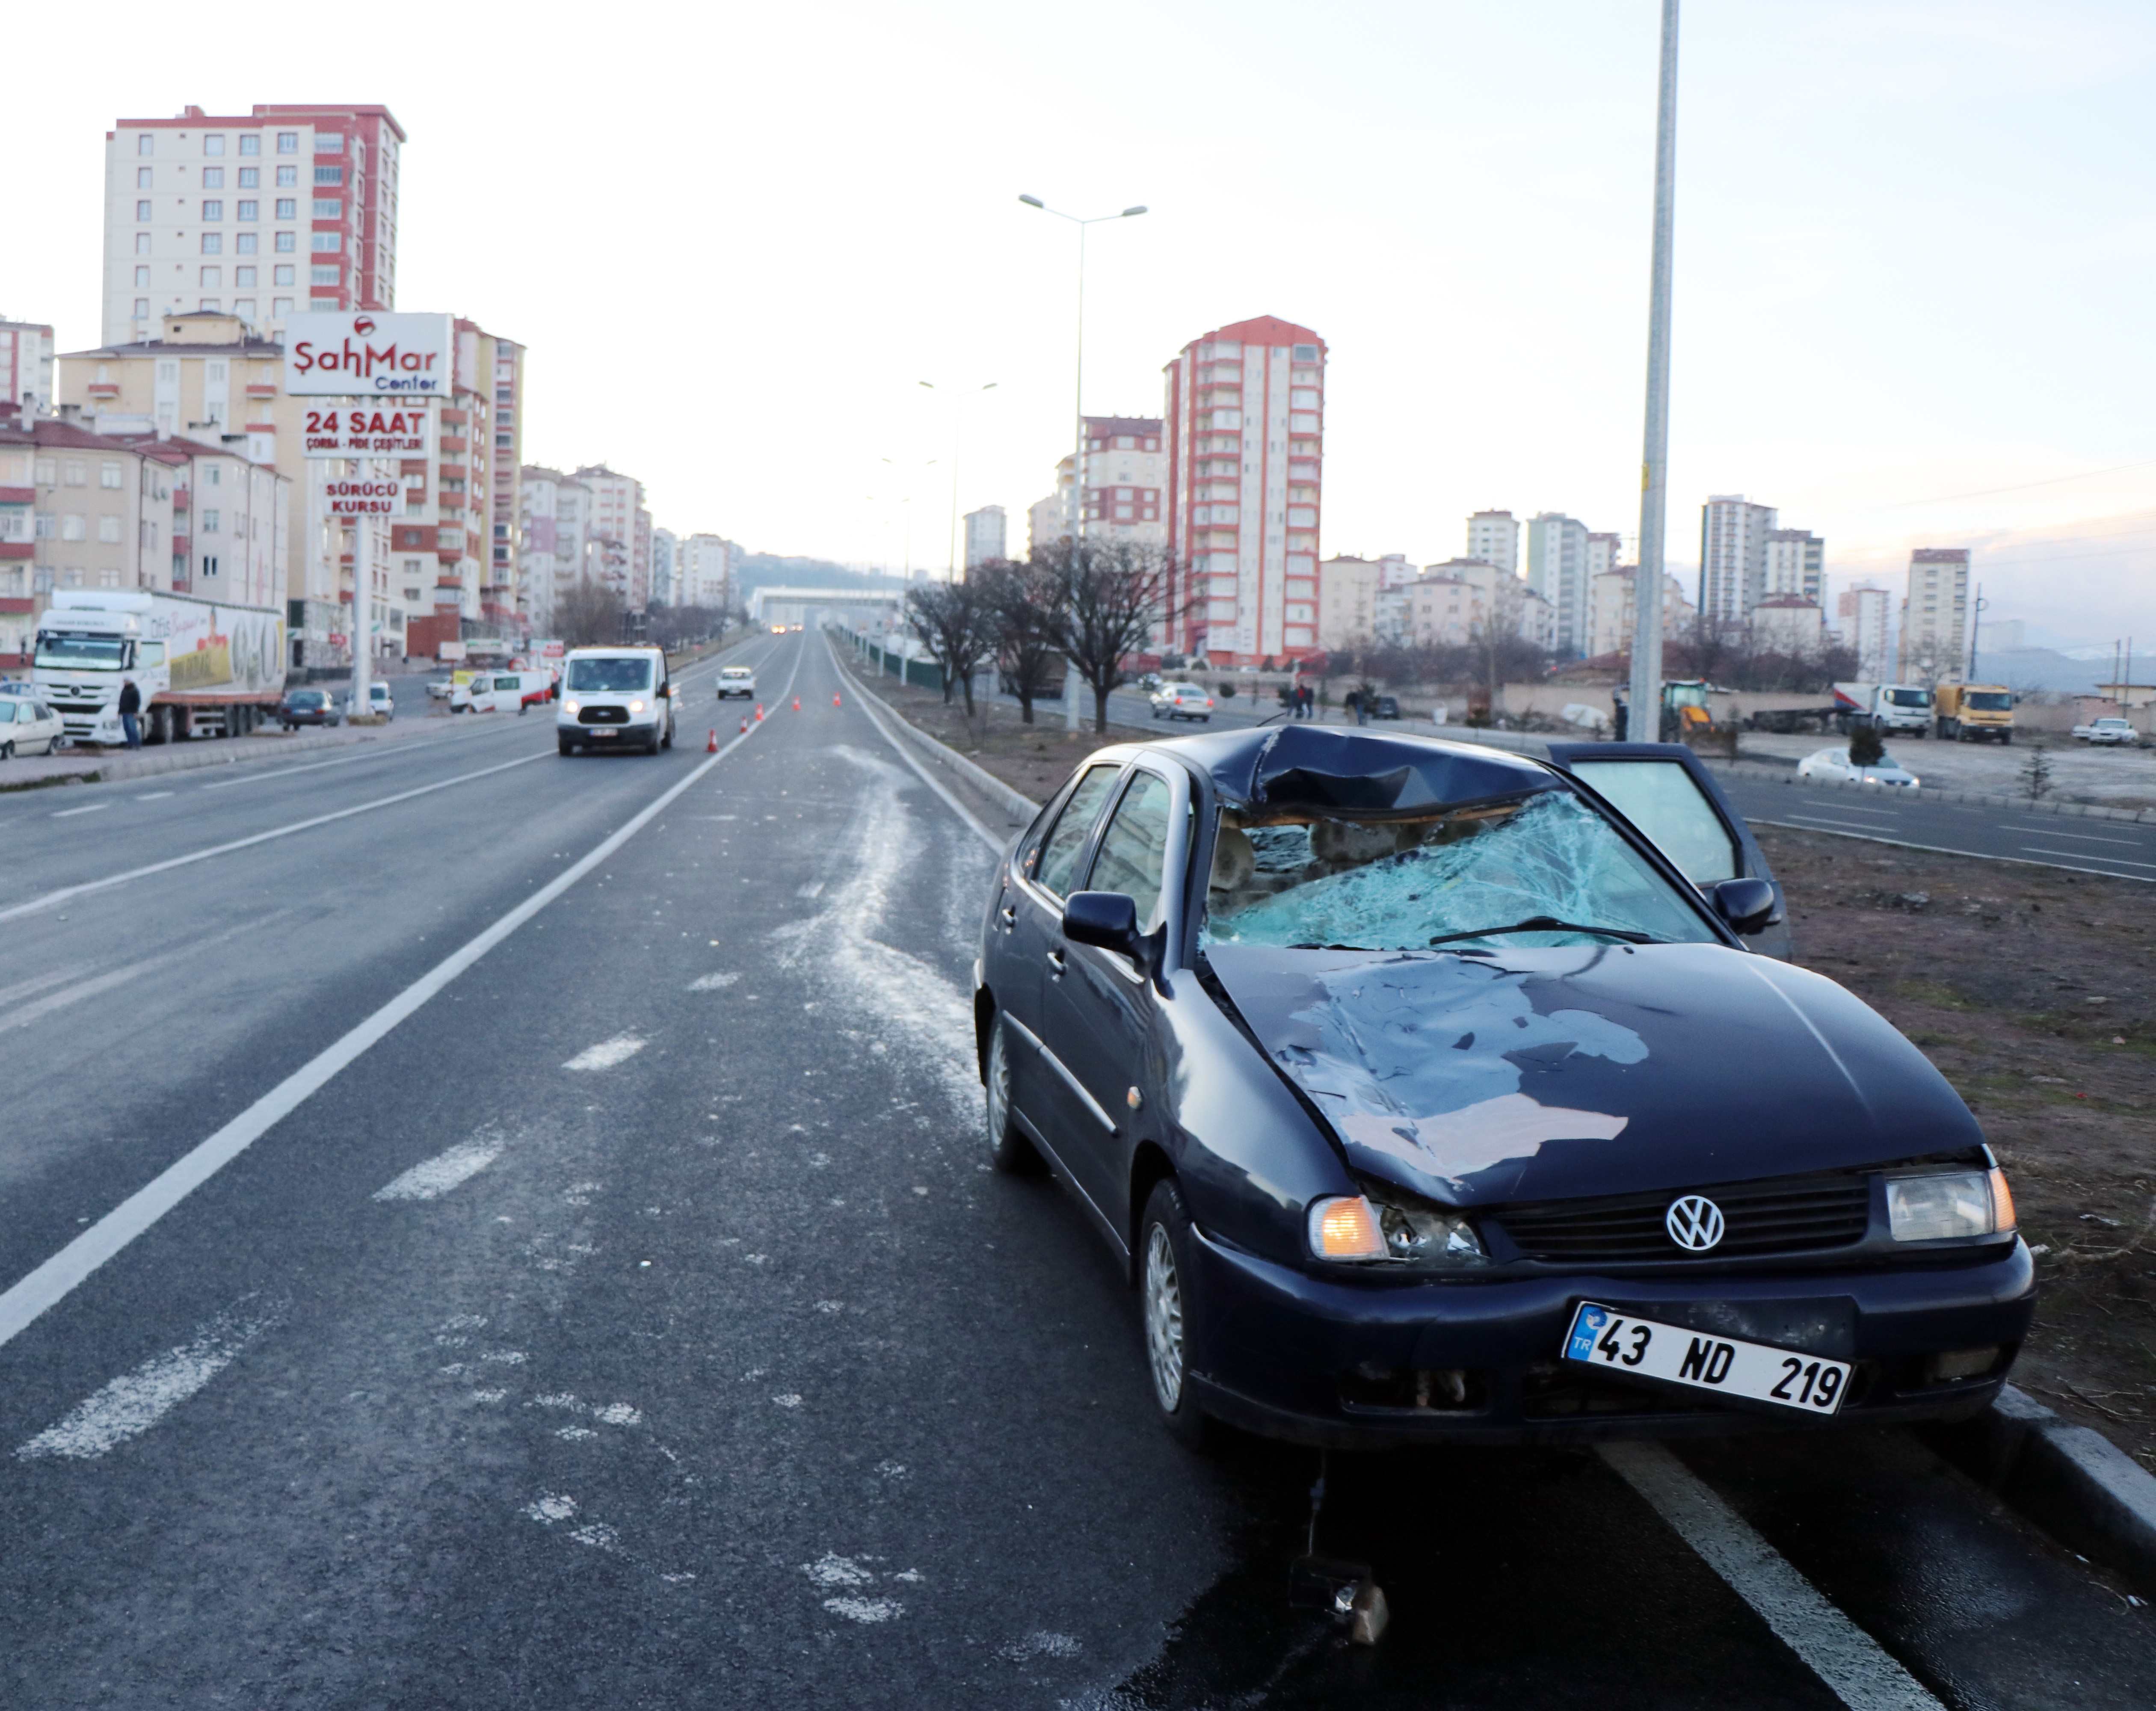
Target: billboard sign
[382, 497]
[361, 353]
[368, 430]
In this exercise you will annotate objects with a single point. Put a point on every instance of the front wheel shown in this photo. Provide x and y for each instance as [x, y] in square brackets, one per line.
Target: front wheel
[564, 745]
[6, 751]
[1164, 1250]
[1008, 1150]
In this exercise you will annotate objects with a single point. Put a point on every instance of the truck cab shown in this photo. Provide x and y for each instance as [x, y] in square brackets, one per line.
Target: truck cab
[1973, 712]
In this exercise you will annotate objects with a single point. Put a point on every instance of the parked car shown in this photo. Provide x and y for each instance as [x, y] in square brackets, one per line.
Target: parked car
[439, 688]
[1423, 1095]
[1182, 700]
[2108, 732]
[379, 700]
[1835, 763]
[308, 706]
[28, 726]
[1388, 707]
[736, 680]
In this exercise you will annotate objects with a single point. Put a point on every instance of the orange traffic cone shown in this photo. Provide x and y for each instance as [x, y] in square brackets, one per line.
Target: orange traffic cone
[797, 703]
[835, 700]
[759, 712]
[744, 729]
[712, 747]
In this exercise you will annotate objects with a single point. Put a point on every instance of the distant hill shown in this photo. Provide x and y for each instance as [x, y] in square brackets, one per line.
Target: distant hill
[771, 570]
[2041, 668]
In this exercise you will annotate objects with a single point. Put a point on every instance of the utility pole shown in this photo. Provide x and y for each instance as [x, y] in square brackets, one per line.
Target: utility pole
[1645, 720]
[1975, 623]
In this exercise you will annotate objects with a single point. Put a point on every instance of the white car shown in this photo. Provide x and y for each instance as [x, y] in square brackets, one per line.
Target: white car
[615, 698]
[737, 680]
[1182, 700]
[378, 696]
[2108, 732]
[1835, 763]
[28, 726]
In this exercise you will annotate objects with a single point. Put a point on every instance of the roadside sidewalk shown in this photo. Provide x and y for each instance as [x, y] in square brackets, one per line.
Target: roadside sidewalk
[93, 765]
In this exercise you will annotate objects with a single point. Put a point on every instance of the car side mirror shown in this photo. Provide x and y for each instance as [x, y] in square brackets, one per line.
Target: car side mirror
[1748, 905]
[1108, 919]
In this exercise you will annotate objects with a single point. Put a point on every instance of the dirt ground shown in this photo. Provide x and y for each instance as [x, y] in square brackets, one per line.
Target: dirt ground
[2032, 989]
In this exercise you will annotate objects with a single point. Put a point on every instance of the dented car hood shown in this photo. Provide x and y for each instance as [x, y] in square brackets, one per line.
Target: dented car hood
[1548, 1073]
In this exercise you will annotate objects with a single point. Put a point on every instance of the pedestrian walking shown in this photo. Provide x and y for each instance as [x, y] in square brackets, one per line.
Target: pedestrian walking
[131, 711]
[1307, 701]
[1352, 704]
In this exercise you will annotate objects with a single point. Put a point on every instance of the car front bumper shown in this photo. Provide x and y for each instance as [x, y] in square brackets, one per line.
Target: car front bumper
[1311, 1359]
[641, 730]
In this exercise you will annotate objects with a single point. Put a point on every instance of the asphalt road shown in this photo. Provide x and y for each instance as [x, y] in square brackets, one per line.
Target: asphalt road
[625, 1314]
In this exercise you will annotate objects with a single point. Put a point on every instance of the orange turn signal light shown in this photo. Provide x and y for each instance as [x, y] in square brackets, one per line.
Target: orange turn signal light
[1346, 1228]
[2002, 1202]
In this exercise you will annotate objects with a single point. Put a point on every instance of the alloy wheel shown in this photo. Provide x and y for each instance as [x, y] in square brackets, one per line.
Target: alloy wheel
[1163, 1316]
[998, 1090]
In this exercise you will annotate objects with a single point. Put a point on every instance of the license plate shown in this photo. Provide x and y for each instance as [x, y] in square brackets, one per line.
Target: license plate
[1603, 1337]
[596, 735]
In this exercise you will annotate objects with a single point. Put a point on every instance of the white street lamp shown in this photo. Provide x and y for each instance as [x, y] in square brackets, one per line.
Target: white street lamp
[1078, 467]
[958, 398]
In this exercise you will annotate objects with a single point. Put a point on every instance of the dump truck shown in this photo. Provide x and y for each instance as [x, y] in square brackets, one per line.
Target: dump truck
[204, 668]
[1973, 712]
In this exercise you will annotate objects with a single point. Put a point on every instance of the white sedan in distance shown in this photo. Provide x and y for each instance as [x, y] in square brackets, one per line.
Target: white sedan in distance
[1835, 763]
[1182, 700]
[737, 680]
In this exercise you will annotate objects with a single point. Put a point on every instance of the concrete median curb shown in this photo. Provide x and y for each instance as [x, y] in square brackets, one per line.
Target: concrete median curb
[2070, 1480]
[943, 755]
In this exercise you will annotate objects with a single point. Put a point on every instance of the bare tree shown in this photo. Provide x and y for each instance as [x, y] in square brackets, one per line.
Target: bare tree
[952, 621]
[1024, 606]
[1116, 594]
[589, 614]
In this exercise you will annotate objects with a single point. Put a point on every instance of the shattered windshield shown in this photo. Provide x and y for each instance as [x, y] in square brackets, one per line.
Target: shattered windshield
[1286, 879]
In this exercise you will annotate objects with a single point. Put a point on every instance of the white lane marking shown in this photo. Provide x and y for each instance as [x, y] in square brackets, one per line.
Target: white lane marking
[2076, 837]
[134, 1402]
[321, 820]
[36, 983]
[1870, 837]
[865, 1610]
[2091, 856]
[606, 1054]
[1841, 1654]
[713, 983]
[22, 1015]
[154, 796]
[434, 1177]
[406, 746]
[94, 808]
[1814, 820]
[24, 1302]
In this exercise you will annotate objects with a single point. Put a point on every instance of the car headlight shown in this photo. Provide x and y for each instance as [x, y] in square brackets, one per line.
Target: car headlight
[636, 706]
[570, 708]
[1949, 1206]
[1360, 1230]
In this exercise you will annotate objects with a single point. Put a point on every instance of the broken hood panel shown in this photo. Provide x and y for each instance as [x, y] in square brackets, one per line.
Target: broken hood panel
[1541, 1074]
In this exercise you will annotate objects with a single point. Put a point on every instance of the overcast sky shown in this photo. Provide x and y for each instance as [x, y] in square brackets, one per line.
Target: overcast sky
[1915, 250]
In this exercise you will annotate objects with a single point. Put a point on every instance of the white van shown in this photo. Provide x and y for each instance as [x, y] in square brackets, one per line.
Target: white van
[615, 698]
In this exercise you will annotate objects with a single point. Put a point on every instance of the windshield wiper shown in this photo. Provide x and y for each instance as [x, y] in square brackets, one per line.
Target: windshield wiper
[1550, 923]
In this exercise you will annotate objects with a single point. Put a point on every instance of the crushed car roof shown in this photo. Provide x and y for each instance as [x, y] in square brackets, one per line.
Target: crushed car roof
[1356, 771]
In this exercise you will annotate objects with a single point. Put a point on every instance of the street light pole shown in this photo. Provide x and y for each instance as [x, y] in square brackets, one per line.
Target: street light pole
[1643, 719]
[951, 573]
[1078, 451]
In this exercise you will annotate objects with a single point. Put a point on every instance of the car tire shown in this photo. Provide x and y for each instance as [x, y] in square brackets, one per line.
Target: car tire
[1008, 1150]
[1164, 1313]
[1205, 718]
[6, 751]
[564, 745]
[667, 741]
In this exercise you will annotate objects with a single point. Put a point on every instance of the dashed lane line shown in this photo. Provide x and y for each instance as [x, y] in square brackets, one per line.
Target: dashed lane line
[28, 1300]
[65, 892]
[1840, 1653]
[433, 1178]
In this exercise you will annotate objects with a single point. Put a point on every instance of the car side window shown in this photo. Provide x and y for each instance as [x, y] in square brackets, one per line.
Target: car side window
[7, 712]
[1134, 849]
[1661, 798]
[1058, 867]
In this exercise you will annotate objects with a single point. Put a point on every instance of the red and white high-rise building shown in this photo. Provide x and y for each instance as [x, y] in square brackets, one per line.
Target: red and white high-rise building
[1245, 418]
[289, 207]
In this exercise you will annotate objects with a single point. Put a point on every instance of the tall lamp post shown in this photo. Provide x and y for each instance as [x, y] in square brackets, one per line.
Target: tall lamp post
[1078, 453]
[1643, 719]
[956, 399]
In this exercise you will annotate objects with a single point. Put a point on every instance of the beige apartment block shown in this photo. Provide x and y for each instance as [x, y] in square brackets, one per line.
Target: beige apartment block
[1347, 602]
[1935, 616]
[1611, 618]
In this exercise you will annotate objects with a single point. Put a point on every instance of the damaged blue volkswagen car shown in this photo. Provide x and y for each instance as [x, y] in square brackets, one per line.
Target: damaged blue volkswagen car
[1431, 1091]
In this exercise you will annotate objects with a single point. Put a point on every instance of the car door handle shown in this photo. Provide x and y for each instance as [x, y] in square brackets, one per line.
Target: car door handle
[1055, 961]
[1009, 916]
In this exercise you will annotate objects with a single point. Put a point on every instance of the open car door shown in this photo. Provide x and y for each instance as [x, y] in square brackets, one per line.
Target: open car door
[1666, 791]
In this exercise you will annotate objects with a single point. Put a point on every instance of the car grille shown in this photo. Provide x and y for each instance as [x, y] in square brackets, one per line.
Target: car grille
[83, 707]
[1780, 1215]
[603, 715]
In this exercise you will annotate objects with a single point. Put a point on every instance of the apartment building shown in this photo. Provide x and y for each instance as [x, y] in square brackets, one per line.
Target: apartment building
[1612, 620]
[1245, 425]
[1044, 522]
[1732, 557]
[288, 207]
[1795, 566]
[708, 563]
[619, 555]
[449, 567]
[1126, 478]
[1558, 571]
[664, 569]
[1863, 614]
[17, 540]
[1493, 537]
[984, 535]
[1788, 623]
[553, 519]
[26, 366]
[1438, 609]
[1935, 616]
[504, 591]
[1347, 602]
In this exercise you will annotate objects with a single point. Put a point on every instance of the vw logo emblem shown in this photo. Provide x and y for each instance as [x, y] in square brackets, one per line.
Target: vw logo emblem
[1694, 1222]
